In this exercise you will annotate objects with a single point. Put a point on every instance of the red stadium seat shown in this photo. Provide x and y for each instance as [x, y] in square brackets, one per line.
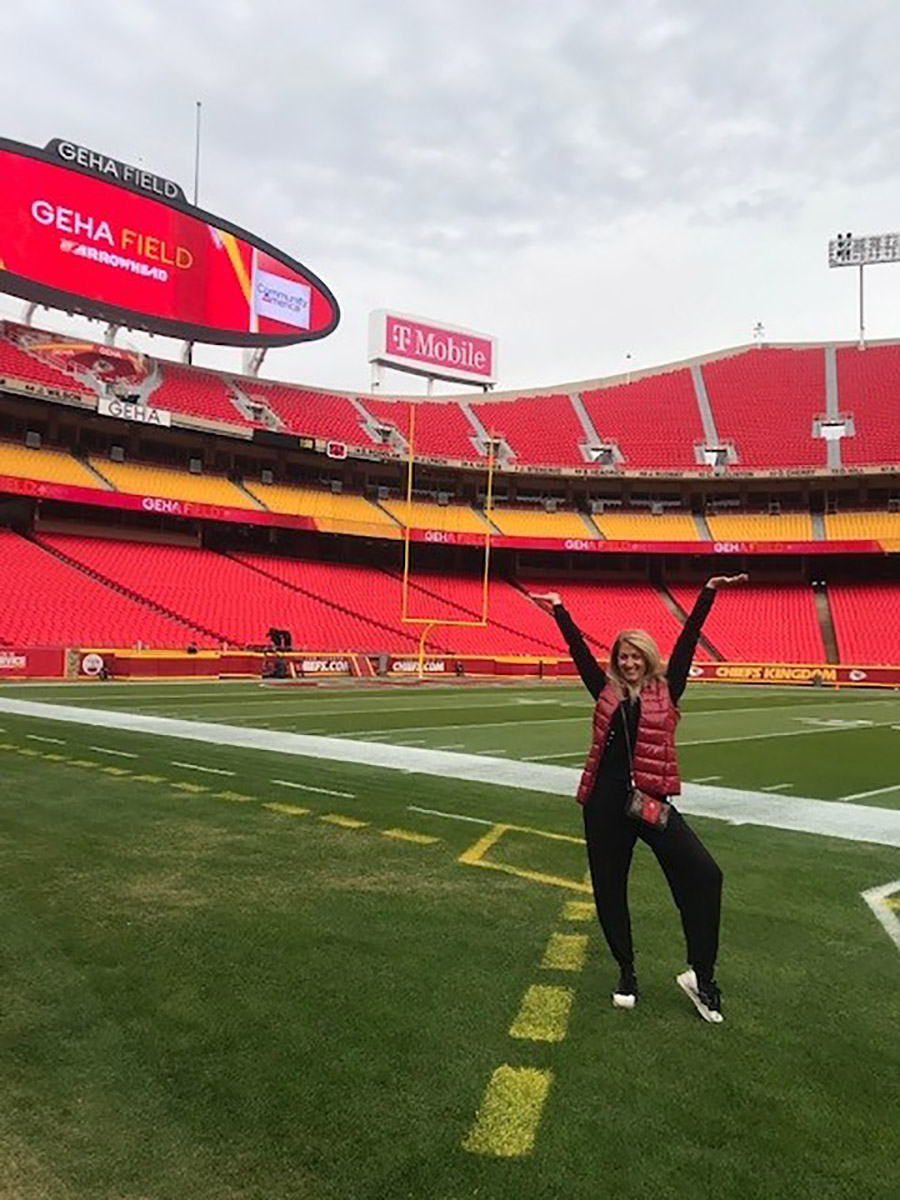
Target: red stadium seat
[195, 393]
[48, 602]
[655, 421]
[866, 622]
[538, 429]
[18, 363]
[869, 391]
[442, 428]
[310, 413]
[764, 401]
[759, 623]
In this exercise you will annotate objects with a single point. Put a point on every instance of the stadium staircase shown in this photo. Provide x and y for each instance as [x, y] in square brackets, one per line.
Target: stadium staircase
[682, 615]
[826, 623]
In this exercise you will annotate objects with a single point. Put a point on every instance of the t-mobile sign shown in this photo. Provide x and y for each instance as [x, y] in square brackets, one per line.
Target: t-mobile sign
[442, 351]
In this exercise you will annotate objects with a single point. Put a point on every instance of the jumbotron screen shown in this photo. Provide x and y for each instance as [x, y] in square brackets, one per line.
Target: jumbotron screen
[70, 238]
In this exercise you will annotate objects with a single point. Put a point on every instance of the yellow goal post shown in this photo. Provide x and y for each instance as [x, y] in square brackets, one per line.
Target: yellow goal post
[429, 623]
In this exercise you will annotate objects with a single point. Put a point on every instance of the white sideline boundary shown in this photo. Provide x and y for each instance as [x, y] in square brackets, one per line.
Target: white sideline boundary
[831, 818]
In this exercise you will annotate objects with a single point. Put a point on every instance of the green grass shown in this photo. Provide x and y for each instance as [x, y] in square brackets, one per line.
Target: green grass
[204, 998]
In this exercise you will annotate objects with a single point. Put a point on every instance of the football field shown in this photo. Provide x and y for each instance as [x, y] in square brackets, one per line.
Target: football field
[337, 942]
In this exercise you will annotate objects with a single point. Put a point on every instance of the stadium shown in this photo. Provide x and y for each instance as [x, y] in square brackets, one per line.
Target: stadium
[343, 943]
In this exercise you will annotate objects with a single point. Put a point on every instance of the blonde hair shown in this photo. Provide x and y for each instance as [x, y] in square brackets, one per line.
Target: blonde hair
[649, 651]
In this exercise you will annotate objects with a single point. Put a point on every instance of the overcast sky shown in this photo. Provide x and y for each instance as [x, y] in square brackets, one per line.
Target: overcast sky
[586, 181]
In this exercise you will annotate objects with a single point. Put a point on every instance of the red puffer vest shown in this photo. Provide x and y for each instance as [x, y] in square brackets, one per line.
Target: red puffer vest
[655, 764]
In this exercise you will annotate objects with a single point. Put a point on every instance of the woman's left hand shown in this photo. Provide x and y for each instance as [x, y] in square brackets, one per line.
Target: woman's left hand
[718, 581]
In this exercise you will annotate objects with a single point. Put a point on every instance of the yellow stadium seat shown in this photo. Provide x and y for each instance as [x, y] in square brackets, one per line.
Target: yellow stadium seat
[525, 522]
[332, 512]
[171, 484]
[49, 466]
[449, 518]
[761, 527]
[647, 527]
[862, 526]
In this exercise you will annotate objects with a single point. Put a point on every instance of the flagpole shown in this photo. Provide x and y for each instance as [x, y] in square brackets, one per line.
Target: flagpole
[197, 154]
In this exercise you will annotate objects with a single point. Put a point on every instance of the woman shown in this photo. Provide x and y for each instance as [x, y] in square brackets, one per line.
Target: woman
[633, 747]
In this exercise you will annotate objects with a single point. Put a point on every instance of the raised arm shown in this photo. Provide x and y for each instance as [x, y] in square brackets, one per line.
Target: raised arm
[592, 674]
[683, 654]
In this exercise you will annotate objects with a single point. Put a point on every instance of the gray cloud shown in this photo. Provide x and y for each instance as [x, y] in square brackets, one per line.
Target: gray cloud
[420, 140]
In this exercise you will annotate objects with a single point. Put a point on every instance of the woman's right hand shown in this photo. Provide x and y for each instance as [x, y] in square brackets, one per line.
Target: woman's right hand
[546, 600]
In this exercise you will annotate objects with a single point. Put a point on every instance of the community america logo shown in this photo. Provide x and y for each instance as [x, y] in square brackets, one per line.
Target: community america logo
[282, 299]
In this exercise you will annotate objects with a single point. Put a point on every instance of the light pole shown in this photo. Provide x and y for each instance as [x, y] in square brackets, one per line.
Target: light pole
[845, 250]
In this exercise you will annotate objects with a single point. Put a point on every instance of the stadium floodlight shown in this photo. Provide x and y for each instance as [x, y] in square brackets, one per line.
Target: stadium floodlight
[848, 250]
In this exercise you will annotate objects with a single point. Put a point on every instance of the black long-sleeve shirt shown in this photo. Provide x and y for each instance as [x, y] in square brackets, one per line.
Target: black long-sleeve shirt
[614, 763]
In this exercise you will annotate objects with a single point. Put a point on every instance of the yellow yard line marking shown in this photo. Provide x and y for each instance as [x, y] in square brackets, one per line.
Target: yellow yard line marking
[114, 771]
[181, 786]
[293, 810]
[406, 835]
[578, 910]
[544, 1014]
[510, 1112]
[56, 757]
[237, 797]
[475, 857]
[148, 779]
[565, 952]
[28, 752]
[344, 822]
[82, 762]
[476, 853]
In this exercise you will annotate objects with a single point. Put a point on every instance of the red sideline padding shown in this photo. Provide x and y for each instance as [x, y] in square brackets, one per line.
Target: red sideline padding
[85, 663]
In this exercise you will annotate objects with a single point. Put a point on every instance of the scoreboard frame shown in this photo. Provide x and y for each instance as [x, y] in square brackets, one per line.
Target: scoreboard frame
[147, 186]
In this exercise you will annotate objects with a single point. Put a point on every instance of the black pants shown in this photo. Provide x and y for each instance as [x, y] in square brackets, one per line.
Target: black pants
[692, 874]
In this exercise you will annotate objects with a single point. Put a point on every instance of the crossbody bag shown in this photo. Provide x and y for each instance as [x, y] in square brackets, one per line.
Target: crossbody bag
[650, 810]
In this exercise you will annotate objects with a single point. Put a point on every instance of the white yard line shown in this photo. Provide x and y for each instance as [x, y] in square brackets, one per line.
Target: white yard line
[433, 812]
[53, 741]
[853, 822]
[762, 737]
[549, 757]
[776, 787]
[197, 767]
[725, 710]
[117, 753]
[282, 706]
[706, 779]
[895, 787]
[355, 733]
[308, 787]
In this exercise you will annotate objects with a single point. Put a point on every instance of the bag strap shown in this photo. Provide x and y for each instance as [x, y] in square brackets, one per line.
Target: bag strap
[623, 705]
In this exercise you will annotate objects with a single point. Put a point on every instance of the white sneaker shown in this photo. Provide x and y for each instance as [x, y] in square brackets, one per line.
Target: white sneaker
[626, 993]
[707, 1001]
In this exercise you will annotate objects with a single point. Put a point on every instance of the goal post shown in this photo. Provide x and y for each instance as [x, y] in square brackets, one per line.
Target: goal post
[430, 622]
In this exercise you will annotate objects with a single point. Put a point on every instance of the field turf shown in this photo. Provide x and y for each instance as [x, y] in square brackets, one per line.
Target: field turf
[229, 973]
